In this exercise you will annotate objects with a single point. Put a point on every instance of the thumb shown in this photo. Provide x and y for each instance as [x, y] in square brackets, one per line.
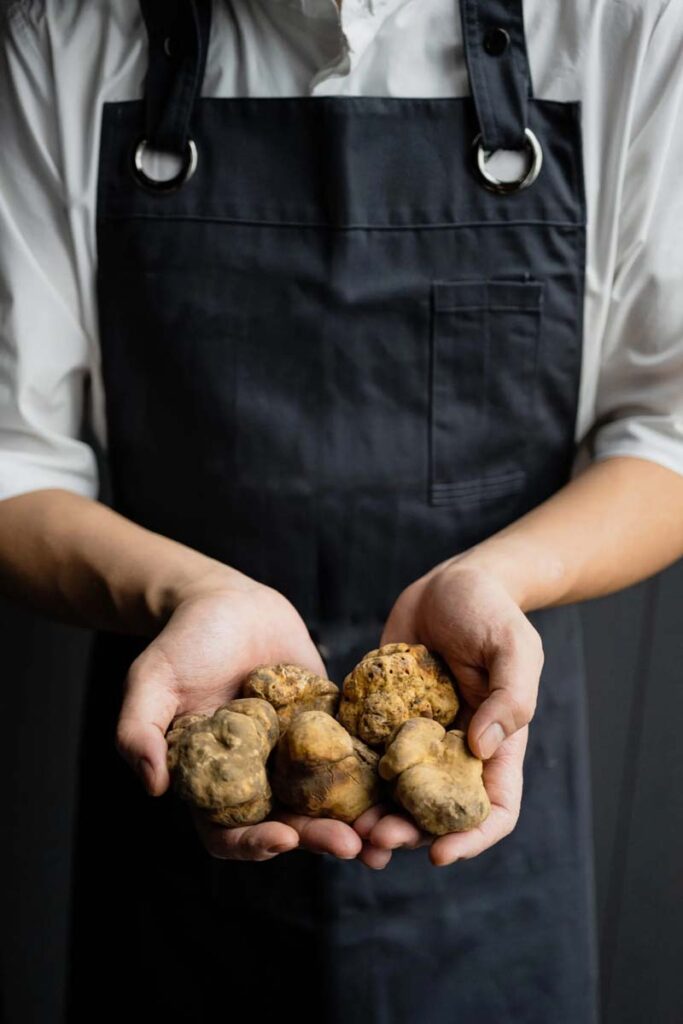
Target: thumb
[147, 710]
[514, 674]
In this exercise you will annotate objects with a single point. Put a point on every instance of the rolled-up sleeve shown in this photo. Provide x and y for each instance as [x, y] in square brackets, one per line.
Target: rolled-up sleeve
[44, 349]
[639, 406]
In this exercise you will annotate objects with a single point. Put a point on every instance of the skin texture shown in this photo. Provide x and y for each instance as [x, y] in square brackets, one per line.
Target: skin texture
[392, 684]
[322, 770]
[291, 689]
[435, 777]
[218, 762]
[79, 561]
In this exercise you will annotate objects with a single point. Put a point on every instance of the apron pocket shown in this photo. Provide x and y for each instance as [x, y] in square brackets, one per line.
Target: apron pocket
[484, 342]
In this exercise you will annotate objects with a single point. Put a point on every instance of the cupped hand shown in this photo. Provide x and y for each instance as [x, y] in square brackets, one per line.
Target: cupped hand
[496, 656]
[215, 636]
[385, 829]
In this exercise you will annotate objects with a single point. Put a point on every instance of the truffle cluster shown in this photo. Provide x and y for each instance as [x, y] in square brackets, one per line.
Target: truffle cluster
[293, 737]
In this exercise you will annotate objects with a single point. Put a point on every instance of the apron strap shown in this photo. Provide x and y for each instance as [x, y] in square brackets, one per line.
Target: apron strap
[495, 52]
[498, 69]
[178, 34]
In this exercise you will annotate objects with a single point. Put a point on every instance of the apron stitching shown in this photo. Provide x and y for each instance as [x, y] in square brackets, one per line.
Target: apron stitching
[418, 225]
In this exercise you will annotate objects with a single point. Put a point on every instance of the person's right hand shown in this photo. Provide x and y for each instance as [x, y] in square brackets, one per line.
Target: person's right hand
[217, 634]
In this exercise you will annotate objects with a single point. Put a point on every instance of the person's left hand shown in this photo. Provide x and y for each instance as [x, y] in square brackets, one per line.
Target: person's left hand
[466, 615]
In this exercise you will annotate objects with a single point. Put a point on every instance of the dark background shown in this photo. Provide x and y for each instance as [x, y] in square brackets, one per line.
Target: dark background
[634, 653]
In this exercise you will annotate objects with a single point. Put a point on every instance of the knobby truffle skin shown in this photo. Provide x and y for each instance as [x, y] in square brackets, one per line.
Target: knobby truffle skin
[218, 762]
[291, 689]
[435, 777]
[322, 771]
[392, 684]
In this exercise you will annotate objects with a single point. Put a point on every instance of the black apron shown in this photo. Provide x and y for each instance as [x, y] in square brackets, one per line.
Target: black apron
[334, 356]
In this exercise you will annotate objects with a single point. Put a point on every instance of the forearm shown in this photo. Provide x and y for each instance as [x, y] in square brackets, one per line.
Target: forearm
[618, 522]
[80, 562]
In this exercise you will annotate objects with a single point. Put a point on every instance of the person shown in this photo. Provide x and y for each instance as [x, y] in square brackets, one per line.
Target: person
[374, 310]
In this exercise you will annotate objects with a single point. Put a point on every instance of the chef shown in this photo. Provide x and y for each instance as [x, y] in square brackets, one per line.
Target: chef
[375, 311]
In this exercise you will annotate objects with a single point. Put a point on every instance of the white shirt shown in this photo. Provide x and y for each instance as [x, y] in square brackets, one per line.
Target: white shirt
[60, 60]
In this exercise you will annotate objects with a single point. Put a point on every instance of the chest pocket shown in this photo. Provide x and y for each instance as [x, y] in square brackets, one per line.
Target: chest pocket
[484, 346]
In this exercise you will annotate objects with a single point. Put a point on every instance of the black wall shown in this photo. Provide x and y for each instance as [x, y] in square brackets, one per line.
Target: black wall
[634, 652]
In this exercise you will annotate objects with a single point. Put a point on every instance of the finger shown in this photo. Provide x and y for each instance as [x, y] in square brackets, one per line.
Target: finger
[503, 780]
[464, 845]
[324, 835]
[373, 857]
[394, 831]
[251, 842]
[365, 822]
[147, 710]
[514, 673]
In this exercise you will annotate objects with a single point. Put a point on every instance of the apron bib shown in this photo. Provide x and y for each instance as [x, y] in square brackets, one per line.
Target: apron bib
[333, 356]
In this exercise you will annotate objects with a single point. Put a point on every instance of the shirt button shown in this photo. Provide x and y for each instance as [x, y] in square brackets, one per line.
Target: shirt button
[496, 41]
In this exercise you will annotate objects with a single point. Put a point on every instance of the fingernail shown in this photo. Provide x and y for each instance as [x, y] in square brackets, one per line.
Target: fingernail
[282, 848]
[490, 739]
[146, 772]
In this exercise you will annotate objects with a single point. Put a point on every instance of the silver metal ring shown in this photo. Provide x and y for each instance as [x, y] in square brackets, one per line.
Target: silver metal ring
[535, 153]
[165, 184]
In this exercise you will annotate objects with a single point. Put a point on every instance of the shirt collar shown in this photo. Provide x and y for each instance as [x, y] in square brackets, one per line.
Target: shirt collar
[325, 9]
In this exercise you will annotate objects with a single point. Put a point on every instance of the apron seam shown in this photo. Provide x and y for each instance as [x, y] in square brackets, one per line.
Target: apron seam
[417, 225]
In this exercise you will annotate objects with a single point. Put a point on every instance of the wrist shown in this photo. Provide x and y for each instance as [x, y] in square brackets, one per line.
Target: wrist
[198, 577]
[532, 576]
